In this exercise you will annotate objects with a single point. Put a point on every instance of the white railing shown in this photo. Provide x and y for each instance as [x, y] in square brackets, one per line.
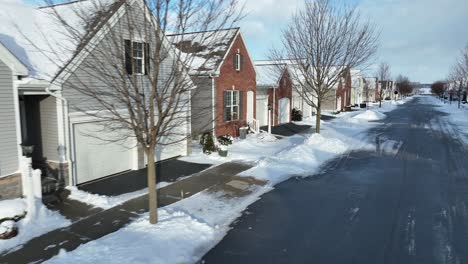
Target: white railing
[254, 127]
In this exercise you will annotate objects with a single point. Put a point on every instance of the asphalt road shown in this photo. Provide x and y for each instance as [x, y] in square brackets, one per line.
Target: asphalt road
[369, 207]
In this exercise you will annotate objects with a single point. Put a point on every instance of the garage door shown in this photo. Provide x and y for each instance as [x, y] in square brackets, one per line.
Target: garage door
[96, 158]
[284, 110]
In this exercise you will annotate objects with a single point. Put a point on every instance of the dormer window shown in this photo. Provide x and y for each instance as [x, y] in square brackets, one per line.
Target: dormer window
[237, 62]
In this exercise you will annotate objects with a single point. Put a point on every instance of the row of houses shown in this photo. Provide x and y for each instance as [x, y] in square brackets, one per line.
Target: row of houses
[231, 91]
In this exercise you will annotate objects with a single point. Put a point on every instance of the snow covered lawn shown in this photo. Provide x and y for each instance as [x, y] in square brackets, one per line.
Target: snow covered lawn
[191, 227]
[12, 208]
[458, 117]
[45, 221]
[253, 148]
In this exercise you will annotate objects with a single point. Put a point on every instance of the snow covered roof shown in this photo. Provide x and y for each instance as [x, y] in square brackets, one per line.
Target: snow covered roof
[268, 73]
[39, 40]
[204, 51]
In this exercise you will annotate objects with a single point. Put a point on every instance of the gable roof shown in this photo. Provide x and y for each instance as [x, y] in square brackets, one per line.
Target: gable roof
[204, 51]
[40, 41]
[269, 73]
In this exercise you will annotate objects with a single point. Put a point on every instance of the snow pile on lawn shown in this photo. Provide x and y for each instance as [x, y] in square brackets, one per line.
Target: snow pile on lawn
[44, 221]
[172, 240]
[300, 160]
[104, 201]
[456, 116]
[253, 148]
[185, 232]
[12, 208]
[370, 115]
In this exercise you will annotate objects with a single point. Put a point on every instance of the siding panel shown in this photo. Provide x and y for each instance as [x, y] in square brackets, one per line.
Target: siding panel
[9, 148]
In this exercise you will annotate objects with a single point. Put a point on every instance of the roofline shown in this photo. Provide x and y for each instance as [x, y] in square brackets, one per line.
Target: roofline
[238, 34]
[113, 12]
[203, 31]
[17, 67]
[61, 4]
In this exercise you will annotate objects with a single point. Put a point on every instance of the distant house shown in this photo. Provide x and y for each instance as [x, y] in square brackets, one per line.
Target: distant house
[274, 92]
[357, 88]
[370, 89]
[386, 86]
[340, 96]
[38, 105]
[224, 74]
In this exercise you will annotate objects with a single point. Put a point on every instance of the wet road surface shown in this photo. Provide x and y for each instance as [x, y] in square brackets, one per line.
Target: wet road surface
[405, 206]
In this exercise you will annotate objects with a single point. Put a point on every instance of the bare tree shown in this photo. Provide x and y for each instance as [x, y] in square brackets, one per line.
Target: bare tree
[404, 85]
[438, 88]
[323, 41]
[383, 74]
[133, 81]
[458, 75]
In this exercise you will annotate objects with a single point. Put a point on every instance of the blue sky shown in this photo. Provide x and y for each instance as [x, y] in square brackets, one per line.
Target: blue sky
[419, 38]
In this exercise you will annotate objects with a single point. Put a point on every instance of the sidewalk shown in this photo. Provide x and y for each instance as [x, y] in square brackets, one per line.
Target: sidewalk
[105, 222]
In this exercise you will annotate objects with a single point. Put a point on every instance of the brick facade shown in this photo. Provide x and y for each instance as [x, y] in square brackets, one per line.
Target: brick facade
[344, 91]
[230, 79]
[284, 90]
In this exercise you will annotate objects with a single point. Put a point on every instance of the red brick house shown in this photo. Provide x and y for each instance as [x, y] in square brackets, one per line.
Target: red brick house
[339, 97]
[224, 73]
[343, 92]
[274, 91]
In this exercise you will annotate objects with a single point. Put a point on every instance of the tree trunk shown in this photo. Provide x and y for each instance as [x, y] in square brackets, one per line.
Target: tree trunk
[152, 192]
[317, 120]
[380, 102]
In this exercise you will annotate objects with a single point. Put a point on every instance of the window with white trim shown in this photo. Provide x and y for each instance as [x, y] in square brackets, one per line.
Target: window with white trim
[136, 57]
[237, 62]
[231, 105]
[138, 52]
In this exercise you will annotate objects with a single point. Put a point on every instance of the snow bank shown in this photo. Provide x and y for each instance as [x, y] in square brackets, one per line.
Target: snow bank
[104, 201]
[185, 232]
[12, 208]
[301, 160]
[45, 221]
[370, 115]
[173, 240]
[457, 117]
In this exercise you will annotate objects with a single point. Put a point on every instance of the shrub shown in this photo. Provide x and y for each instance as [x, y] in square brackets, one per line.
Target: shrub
[296, 115]
[225, 140]
[207, 142]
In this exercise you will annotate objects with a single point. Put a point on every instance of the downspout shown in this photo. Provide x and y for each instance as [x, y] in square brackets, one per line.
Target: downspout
[213, 107]
[66, 134]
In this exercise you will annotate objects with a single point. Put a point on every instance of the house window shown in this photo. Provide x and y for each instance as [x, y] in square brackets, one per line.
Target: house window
[136, 57]
[237, 62]
[231, 106]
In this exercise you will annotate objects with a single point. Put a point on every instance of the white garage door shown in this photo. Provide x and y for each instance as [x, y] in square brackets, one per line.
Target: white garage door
[262, 110]
[96, 158]
[284, 110]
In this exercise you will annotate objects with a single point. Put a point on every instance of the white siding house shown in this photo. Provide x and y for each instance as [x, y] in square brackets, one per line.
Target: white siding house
[42, 109]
